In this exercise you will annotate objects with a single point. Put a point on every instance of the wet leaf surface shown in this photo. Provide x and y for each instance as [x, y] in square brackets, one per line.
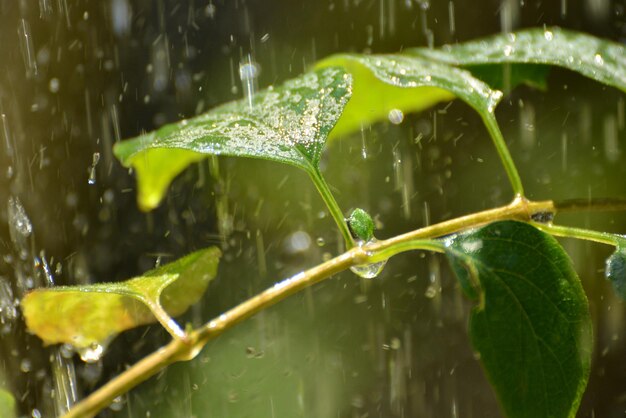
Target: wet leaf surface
[598, 59]
[287, 124]
[93, 314]
[531, 326]
[384, 83]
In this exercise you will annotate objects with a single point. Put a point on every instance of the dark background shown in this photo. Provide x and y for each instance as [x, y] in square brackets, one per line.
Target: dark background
[76, 77]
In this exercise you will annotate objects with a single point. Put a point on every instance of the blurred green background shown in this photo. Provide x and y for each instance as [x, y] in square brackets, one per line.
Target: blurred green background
[75, 77]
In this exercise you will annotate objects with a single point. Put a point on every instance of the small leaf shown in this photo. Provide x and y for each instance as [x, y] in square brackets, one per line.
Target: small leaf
[93, 314]
[598, 59]
[383, 83]
[288, 124]
[616, 271]
[361, 225]
[531, 327]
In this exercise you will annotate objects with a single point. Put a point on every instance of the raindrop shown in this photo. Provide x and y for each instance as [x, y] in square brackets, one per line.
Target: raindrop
[210, 10]
[598, 59]
[368, 271]
[320, 241]
[92, 170]
[8, 313]
[431, 291]
[20, 227]
[395, 116]
[66, 351]
[53, 85]
[298, 242]
[91, 354]
[28, 50]
[508, 49]
[451, 17]
[65, 387]
[611, 139]
[121, 16]
[548, 35]
[26, 365]
[117, 404]
[248, 73]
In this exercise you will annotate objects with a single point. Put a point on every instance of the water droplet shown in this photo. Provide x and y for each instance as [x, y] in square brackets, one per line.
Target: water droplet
[117, 404]
[298, 242]
[26, 365]
[368, 271]
[320, 241]
[27, 48]
[431, 291]
[19, 224]
[92, 169]
[508, 49]
[248, 73]
[66, 351]
[395, 116]
[598, 59]
[53, 85]
[548, 35]
[35, 413]
[20, 227]
[91, 354]
[210, 10]
[121, 17]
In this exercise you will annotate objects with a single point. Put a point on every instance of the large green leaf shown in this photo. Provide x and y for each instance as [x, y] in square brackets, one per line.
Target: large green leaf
[89, 315]
[531, 327]
[288, 124]
[383, 83]
[598, 59]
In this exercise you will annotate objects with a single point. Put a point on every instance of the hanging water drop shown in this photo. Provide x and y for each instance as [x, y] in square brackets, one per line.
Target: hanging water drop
[117, 404]
[92, 353]
[369, 271]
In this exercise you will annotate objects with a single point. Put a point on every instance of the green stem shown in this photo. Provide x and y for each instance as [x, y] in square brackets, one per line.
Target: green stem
[331, 203]
[579, 233]
[404, 246]
[503, 151]
[592, 204]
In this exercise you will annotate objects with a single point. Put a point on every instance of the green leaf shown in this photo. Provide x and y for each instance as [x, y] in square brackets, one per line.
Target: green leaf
[288, 124]
[89, 315]
[7, 404]
[531, 327]
[598, 59]
[383, 83]
[616, 270]
[506, 77]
